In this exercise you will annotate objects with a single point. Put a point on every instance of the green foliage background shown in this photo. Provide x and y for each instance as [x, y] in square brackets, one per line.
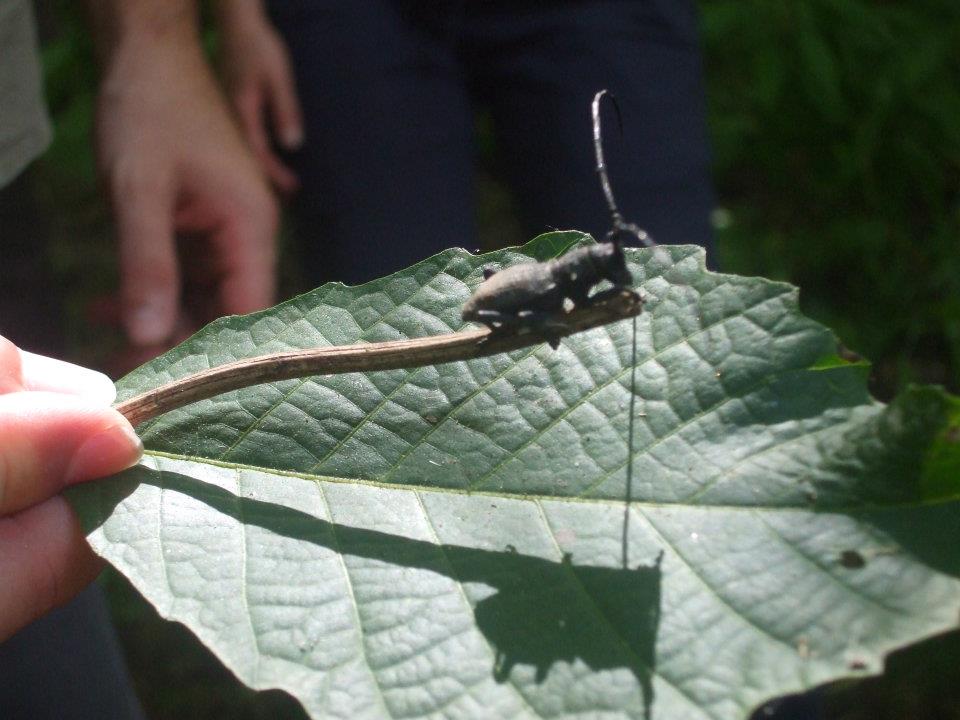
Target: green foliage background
[837, 155]
[836, 133]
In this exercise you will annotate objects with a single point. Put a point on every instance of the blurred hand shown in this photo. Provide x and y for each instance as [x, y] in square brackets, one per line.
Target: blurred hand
[56, 429]
[177, 167]
[260, 84]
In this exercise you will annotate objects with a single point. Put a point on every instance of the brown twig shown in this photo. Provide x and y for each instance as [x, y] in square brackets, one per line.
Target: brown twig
[432, 350]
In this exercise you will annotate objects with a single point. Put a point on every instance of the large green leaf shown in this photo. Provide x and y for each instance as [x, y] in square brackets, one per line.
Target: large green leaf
[477, 540]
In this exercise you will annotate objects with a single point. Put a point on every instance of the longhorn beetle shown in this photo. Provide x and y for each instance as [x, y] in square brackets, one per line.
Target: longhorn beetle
[533, 294]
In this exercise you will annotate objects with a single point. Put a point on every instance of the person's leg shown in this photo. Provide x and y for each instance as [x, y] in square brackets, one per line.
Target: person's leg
[538, 65]
[67, 666]
[387, 165]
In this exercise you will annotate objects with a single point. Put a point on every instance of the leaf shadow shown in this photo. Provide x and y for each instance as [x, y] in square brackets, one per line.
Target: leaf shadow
[542, 611]
[930, 533]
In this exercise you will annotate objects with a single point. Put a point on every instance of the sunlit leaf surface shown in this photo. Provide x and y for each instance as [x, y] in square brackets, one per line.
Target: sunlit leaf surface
[476, 540]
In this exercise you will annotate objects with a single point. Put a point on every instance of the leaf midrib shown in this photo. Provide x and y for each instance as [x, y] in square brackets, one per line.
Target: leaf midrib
[853, 509]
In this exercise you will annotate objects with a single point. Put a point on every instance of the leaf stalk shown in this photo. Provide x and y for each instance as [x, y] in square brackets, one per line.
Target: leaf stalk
[368, 357]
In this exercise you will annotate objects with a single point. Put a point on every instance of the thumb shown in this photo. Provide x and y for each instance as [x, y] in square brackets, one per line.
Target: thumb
[149, 277]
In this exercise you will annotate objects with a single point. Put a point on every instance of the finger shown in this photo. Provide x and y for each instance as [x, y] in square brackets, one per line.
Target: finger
[250, 109]
[49, 441]
[249, 102]
[46, 373]
[11, 369]
[150, 280]
[44, 562]
[247, 247]
[286, 113]
[279, 174]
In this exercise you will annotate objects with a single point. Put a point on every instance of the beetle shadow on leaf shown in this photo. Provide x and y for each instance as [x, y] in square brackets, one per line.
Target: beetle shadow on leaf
[541, 613]
[545, 612]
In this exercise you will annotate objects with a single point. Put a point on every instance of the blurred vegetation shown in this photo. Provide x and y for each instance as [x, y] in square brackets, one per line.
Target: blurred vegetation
[836, 132]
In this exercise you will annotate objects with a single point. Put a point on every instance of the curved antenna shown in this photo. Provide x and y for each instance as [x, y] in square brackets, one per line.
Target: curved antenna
[619, 225]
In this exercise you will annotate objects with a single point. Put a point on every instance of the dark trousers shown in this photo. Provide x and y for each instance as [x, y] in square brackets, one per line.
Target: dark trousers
[390, 90]
[67, 666]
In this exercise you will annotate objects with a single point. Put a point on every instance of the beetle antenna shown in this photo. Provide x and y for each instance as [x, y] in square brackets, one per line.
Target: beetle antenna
[619, 225]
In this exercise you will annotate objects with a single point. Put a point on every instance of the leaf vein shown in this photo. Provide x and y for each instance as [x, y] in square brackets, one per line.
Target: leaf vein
[260, 420]
[244, 592]
[838, 581]
[586, 397]
[353, 602]
[583, 592]
[708, 586]
[466, 601]
[483, 387]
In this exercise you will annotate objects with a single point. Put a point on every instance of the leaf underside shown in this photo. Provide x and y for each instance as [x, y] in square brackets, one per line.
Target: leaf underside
[496, 538]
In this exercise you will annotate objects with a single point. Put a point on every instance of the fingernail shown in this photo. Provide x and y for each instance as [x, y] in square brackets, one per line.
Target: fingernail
[107, 452]
[292, 137]
[146, 324]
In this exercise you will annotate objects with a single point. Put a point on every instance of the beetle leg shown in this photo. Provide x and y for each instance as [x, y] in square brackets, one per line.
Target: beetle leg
[579, 297]
[537, 321]
[495, 319]
[545, 323]
[541, 321]
[605, 295]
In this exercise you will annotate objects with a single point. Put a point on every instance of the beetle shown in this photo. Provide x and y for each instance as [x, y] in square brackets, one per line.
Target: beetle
[531, 295]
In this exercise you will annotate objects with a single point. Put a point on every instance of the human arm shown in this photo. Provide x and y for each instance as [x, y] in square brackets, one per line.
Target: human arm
[56, 429]
[176, 167]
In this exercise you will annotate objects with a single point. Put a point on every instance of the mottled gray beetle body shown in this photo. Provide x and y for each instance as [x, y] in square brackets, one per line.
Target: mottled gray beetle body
[527, 293]
[532, 295]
